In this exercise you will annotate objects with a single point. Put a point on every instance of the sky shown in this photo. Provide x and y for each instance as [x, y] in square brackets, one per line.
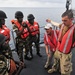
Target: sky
[34, 3]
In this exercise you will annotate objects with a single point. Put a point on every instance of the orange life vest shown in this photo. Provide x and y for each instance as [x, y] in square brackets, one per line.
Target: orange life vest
[51, 43]
[5, 31]
[65, 45]
[34, 29]
[25, 33]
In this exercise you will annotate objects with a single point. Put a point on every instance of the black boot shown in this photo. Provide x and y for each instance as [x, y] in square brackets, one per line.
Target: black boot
[31, 54]
[24, 65]
[27, 58]
[39, 54]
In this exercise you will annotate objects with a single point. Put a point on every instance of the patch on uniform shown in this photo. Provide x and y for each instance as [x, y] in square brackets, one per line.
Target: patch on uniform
[67, 69]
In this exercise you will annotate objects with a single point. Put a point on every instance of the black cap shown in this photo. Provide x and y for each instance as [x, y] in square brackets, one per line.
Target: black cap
[30, 17]
[19, 14]
[2, 15]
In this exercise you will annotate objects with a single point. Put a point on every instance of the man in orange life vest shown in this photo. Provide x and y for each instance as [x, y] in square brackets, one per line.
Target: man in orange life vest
[34, 33]
[50, 40]
[6, 62]
[63, 53]
[5, 51]
[3, 56]
[3, 28]
[4, 31]
[22, 35]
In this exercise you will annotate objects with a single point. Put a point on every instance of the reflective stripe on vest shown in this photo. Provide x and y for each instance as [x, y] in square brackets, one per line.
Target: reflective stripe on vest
[60, 32]
[71, 30]
[49, 41]
[55, 35]
[66, 43]
[46, 37]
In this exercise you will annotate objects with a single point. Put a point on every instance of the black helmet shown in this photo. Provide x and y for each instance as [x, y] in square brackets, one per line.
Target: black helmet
[2, 14]
[2, 38]
[19, 14]
[30, 17]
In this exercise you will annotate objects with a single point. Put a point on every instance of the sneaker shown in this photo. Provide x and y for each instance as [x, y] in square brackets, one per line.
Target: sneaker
[46, 66]
[51, 70]
[39, 54]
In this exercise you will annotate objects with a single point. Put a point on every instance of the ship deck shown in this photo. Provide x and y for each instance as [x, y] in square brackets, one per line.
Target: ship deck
[36, 65]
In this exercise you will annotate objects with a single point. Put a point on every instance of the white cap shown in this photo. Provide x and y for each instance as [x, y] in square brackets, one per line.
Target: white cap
[48, 25]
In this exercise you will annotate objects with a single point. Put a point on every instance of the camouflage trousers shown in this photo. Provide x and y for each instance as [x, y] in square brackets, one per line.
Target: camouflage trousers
[63, 61]
[35, 40]
[21, 45]
[3, 65]
[20, 50]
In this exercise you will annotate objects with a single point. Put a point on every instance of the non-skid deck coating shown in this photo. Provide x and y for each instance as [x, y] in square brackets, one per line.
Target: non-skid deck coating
[36, 65]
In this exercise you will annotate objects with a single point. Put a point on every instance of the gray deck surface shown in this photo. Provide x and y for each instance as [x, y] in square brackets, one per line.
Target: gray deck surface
[36, 65]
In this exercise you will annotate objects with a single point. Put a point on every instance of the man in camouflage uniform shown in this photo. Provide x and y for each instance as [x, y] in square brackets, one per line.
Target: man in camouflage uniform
[34, 31]
[5, 51]
[63, 54]
[19, 30]
[3, 58]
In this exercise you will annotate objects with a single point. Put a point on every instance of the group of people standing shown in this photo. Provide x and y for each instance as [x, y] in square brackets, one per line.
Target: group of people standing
[59, 44]
[27, 32]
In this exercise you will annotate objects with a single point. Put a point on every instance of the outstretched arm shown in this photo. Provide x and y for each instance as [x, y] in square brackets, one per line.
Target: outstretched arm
[53, 23]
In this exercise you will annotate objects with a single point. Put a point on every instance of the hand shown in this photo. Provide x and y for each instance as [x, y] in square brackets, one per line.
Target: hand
[48, 20]
[48, 54]
[24, 25]
[21, 63]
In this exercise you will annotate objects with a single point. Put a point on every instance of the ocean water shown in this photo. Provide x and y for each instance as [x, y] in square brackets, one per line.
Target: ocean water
[41, 14]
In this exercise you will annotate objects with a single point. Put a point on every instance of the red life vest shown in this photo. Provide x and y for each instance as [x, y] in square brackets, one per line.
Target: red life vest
[5, 31]
[65, 45]
[34, 29]
[25, 33]
[51, 42]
